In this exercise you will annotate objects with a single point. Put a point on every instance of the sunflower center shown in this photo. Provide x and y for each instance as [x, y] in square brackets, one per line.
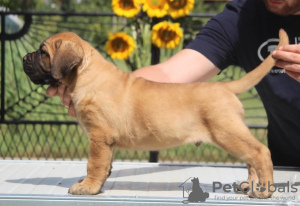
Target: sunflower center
[119, 45]
[155, 4]
[126, 4]
[177, 4]
[166, 35]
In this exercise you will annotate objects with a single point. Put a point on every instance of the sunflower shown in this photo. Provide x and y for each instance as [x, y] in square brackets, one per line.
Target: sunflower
[120, 45]
[180, 8]
[166, 35]
[127, 8]
[155, 8]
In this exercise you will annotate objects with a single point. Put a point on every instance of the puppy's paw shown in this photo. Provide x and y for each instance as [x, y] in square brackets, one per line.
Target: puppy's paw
[244, 186]
[83, 187]
[261, 190]
[259, 194]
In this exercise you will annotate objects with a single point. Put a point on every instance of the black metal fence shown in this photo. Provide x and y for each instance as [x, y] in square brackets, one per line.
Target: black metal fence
[34, 126]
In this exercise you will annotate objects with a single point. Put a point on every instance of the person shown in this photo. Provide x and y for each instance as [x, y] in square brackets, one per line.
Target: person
[243, 34]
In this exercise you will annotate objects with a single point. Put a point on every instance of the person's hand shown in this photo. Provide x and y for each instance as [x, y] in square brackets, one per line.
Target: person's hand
[289, 59]
[63, 92]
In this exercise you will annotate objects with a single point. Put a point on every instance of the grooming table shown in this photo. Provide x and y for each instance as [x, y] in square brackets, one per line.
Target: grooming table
[40, 183]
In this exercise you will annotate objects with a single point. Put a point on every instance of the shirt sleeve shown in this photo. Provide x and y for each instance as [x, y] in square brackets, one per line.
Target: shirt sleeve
[218, 40]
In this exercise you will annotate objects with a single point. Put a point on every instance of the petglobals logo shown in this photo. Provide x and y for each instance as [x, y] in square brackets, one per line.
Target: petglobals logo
[195, 192]
[260, 187]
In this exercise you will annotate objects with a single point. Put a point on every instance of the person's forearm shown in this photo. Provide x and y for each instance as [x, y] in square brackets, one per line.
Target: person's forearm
[152, 73]
[184, 67]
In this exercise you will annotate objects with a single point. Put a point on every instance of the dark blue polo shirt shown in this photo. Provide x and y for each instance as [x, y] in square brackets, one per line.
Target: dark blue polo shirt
[244, 34]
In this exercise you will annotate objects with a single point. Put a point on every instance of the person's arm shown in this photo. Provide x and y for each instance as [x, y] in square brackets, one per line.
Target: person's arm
[184, 67]
[289, 59]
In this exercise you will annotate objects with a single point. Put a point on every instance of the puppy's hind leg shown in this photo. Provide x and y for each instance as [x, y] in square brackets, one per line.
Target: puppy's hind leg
[244, 186]
[235, 138]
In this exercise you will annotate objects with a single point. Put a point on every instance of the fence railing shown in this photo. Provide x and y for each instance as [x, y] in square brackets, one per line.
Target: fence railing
[32, 125]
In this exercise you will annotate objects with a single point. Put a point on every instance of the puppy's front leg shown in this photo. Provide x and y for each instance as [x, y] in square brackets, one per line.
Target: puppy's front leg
[98, 168]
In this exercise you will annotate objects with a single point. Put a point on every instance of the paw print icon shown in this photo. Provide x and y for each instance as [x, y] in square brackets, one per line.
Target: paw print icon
[261, 187]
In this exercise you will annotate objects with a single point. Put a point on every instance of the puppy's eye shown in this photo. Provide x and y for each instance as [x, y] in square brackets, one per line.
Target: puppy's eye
[43, 52]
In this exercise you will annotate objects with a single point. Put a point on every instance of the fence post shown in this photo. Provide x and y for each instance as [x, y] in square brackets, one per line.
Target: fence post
[155, 58]
[2, 66]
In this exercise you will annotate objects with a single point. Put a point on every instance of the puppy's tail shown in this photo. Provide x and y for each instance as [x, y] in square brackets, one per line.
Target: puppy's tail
[255, 76]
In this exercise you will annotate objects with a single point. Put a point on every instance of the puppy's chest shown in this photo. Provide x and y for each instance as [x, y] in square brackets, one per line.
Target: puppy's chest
[98, 106]
[83, 97]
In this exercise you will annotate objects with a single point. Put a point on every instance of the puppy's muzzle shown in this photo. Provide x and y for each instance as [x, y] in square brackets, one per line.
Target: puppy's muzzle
[35, 71]
[27, 64]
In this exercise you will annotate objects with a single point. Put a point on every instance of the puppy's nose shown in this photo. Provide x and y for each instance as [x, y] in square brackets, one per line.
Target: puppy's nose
[27, 57]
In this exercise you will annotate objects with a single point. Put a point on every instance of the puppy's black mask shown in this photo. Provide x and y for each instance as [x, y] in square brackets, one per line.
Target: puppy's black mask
[37, 66]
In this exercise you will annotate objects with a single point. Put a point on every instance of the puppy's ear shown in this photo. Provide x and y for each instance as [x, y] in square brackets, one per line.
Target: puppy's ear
[68, 55]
